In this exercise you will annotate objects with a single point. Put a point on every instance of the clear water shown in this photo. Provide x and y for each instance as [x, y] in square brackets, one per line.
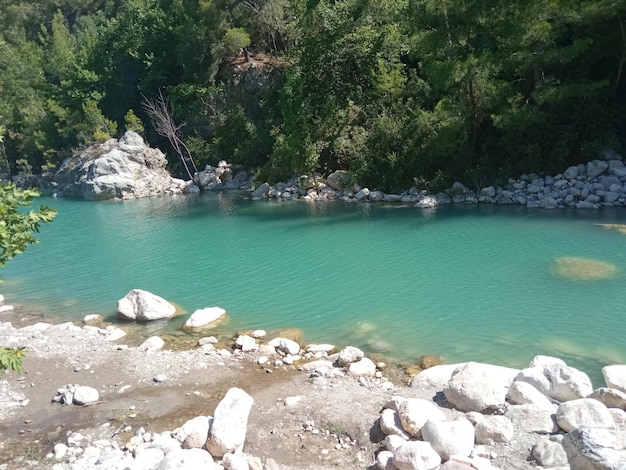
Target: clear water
[468, 283]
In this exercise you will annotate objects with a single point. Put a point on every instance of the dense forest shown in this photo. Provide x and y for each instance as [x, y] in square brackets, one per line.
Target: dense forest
[397, 91]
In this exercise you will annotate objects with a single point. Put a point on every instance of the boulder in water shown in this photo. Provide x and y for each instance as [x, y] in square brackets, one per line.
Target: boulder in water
[583, 269]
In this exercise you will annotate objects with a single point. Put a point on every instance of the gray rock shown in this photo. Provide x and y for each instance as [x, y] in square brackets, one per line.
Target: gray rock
[610, 397]
[195, 432]
[615, 377]
[124, 169]
[479, 387]
[449, 438]
[596, 167]
[84, 395]
[390, 424]
[262, 192]
[427, 202]
[363, 368]
[228, 431]
[414, 412]
[436, 377]
[496, 428]
[549, 454]
[376, 196]
[595, 449]
[340, 179]
[349, 354]
[584, 412]
[384, 460]
[144, 306]
[523, 393]
[154, 343]
[416, 455]
[532, 418]
[362, 194]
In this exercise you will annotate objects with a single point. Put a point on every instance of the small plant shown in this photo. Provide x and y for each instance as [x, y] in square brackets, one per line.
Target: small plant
[11, 359]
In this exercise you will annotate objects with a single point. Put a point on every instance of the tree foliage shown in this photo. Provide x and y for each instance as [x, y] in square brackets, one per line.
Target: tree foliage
[17, 228]
[393, 90]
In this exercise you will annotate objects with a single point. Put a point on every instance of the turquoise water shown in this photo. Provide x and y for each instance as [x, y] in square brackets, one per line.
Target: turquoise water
[468, 283]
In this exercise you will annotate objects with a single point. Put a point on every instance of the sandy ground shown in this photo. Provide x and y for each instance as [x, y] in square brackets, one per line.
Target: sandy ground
[344, 410]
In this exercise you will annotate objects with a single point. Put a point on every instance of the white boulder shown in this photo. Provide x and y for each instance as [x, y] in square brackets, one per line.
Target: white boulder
[495, 428]
[230, 420]
[363, 368]
[584, 412]
[142, 305]
[205, 317]
[349, 354]
[523, 393]
[436, 377]
[84, 395]
[449, 438]
[479, 387]
[187, 459]
[390, 424]
[416, 455]
[615, 377]
[532, 418]
[414, 412]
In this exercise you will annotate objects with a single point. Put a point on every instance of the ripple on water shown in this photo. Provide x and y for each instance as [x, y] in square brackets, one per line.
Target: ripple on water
[467, 283]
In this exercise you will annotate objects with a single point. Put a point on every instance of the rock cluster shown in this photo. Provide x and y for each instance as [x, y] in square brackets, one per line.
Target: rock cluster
[208, 442]
[597, 184]
[223, 176]
[570, 424]
[117, 169]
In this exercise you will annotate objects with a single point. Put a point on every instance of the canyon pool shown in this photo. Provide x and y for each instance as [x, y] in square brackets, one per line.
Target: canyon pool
[497, 284]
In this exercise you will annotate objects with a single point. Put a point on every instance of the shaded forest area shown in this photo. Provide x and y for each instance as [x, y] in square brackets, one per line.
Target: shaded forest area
[398, 91]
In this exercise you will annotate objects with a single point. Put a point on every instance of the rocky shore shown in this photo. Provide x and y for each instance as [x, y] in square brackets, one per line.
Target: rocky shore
[269, 401]
[128, 168]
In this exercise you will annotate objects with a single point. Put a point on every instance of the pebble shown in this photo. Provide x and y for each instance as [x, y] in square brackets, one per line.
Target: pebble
[160, 378]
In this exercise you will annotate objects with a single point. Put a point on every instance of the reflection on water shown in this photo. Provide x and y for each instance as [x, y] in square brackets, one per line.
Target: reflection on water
[464, 282]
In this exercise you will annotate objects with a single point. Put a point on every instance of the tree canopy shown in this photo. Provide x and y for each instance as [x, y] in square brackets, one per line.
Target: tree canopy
[393, 90]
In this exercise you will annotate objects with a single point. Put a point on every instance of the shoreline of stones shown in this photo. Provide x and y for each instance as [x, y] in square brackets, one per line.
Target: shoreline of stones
[599, 183]
[551, 408]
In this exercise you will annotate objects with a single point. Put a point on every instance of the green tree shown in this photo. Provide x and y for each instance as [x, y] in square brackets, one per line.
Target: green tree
[17, 229]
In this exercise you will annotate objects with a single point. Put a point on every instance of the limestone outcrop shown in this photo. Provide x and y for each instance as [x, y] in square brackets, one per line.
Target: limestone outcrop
[117, 169]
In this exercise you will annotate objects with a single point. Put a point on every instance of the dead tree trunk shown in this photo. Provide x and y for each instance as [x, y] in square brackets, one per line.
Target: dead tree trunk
[159, 111]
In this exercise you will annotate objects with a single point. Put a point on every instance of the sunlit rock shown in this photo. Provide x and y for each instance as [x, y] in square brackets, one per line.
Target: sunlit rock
[583, 269]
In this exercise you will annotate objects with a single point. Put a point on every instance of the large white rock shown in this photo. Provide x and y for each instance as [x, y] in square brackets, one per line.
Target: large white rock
[390, 424]
[349, 354]
[532, 418]
[495, 428]
[154, 343]
[414, 412]
[567, 383]
[436, 377]
[205, 317]
[534, 376]
[615, 377]
[124, 169]
[384, 460]
[196, 432]
[416, 455]
[523, 393]
[84, 395]
[479, 387]
[557, 380]
[449, 438]
[595, 448]
[144, 306]
[286, 345]
[363, 368]
[584, 412]
[187, 459]
[230, 420]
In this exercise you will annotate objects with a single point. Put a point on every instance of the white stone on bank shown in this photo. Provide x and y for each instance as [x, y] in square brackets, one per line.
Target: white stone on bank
[205, 317]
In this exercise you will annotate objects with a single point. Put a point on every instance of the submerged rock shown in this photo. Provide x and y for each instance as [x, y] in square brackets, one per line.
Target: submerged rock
[583, 269]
